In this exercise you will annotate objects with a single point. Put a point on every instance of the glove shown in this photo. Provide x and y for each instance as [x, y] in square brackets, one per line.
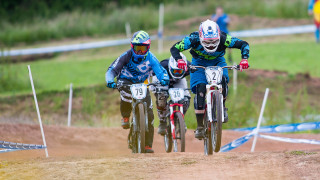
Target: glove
[182, 64]
[244, 64]
[164, 82]
[111, 85]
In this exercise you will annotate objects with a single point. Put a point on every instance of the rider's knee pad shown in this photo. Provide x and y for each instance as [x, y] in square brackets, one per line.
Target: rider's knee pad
[199, 99]
[186, 104]
[161, 101]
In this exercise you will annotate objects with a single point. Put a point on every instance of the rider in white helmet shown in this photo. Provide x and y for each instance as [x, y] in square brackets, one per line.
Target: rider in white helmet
[177, 80]
[208, 47]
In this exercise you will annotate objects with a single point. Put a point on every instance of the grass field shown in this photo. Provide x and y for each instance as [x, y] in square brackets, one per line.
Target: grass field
[87, 68]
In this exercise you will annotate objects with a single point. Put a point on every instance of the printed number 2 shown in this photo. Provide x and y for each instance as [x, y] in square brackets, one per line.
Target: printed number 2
[214, 76]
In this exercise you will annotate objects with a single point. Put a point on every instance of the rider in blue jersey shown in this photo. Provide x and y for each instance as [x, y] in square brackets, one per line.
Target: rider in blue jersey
[208, 47]
[135, 66]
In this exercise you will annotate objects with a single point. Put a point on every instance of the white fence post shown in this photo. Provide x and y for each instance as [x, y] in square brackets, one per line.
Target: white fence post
[160, 31]
[256, 133]
[38, 112]
[128, 30]
[70, 105]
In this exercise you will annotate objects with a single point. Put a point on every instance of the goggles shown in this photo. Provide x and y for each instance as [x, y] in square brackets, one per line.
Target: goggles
[177, 71]
[140, 49]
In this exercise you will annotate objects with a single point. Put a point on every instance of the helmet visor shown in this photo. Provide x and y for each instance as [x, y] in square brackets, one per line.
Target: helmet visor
[140, 49]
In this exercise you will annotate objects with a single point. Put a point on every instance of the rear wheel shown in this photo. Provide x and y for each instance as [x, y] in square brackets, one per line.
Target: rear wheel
[168, 137]
[142, 129]
[180, 130]
[217, 113]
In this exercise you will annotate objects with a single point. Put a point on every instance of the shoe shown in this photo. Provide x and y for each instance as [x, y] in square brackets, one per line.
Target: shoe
[148, 149]
[199, 133]
[125, 123]
[162, 128]
[225, 113]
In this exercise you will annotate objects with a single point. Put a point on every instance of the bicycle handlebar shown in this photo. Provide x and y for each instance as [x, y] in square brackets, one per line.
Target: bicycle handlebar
[150, 84]
[237, 67]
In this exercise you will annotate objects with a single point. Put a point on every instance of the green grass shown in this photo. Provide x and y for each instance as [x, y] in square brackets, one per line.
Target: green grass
[292, 57]
[286, 102]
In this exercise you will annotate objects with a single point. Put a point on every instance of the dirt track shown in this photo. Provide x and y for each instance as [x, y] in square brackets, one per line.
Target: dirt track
[102, 153]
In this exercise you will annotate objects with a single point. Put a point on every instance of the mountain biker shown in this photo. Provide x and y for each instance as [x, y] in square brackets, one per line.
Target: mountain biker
[135, 66]
[208, 47]
[177, 80]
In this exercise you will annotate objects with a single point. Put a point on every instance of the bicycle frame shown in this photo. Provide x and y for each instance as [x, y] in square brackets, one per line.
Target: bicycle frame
[173, 110]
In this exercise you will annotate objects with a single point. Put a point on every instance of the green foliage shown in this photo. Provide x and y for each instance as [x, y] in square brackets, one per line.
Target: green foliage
[63, 19]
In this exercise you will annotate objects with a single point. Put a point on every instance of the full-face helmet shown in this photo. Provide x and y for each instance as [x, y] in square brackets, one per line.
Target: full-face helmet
[209, 34]
[140, 44]
[174, 71]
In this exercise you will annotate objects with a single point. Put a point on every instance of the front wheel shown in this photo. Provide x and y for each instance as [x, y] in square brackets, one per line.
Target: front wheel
[217, 113]
[168, 137]
[142, 129]
[180, 131]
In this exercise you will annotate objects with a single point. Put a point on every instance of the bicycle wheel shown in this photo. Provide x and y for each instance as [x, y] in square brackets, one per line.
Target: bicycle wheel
[141, 130]
[180, 130]
[168, 137]
[217, 113]
[208, 150]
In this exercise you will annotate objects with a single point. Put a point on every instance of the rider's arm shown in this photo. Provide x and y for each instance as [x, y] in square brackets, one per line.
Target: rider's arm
[183, 45]
[117, 65]
[159, 71]
[233, 42]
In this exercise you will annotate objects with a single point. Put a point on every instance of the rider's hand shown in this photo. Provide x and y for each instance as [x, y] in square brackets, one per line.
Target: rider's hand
[111, 85]
[244, 64]
[164, 82]
[182, 64]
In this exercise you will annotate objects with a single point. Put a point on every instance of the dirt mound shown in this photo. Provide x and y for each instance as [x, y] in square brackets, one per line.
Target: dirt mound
[102, 153]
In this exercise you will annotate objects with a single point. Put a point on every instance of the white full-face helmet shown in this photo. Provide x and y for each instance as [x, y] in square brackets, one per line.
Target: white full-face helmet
[209, 34]
[174, 71]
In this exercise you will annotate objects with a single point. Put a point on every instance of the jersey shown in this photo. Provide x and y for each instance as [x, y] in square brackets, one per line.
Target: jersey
[198, 53]
[124, 67]
[222, 22]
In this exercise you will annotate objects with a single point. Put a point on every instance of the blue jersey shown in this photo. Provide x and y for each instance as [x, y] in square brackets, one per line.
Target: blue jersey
[222, 22]
[199, 54]
[124, 67]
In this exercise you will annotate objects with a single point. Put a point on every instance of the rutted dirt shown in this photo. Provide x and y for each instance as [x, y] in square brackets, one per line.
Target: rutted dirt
[102, 153]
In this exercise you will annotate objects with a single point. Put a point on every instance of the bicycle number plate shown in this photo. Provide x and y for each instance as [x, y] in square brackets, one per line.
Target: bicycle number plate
[214, 74]
[176, 94]
[138, 91]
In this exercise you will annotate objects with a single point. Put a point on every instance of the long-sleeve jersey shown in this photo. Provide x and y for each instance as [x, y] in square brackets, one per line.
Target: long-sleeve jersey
[197, 51]
[124, 67]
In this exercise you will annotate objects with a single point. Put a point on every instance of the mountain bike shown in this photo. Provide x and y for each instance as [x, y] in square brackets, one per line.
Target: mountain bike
[176, 128]
[214, 115]
[139, 123]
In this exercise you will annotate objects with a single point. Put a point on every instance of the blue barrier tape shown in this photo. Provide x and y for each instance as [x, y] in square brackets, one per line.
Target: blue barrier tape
[75, 47]
[290, 140]
[11, 145]
[236, 143]
[9, 150]
[284, 128]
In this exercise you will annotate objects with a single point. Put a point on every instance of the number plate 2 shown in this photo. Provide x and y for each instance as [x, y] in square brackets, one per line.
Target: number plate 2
[214, 74]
